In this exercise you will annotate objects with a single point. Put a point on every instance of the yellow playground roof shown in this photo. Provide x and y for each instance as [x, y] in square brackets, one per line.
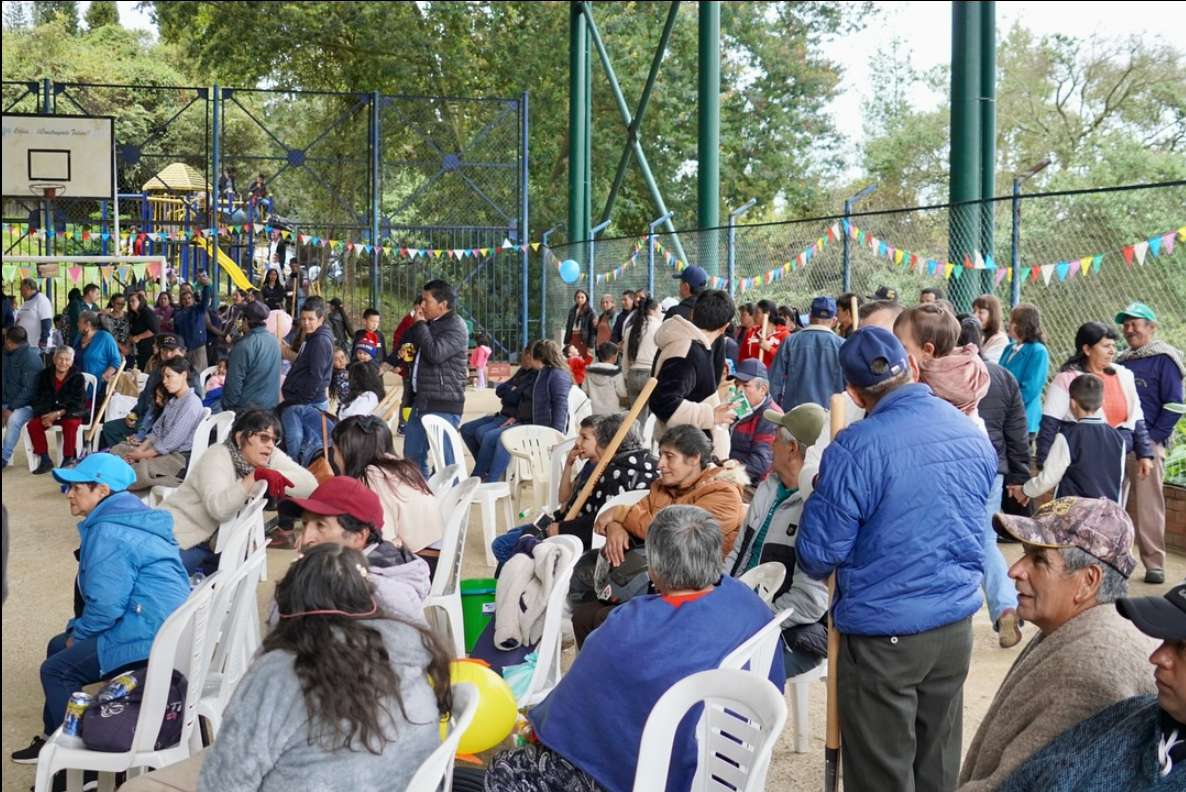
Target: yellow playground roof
[177, 177]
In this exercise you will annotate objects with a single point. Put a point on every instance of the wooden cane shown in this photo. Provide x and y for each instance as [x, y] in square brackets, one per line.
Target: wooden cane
[90, 435]
[832, 739]
[608, 454]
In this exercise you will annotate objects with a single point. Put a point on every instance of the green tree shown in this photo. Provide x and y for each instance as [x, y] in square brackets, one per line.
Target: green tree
[100, 13]
[774, 84]
[16, 16]
[45, 11]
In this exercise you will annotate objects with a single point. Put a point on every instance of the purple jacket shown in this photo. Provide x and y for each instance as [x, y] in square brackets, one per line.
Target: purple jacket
[1159, 382]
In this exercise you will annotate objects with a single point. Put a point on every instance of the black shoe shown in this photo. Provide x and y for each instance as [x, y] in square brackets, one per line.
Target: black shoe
[29, 755]
[45, 466]
[90, 781]
[69, 462]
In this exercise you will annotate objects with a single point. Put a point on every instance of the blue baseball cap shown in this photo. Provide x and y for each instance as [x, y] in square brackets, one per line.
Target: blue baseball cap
[749, 368]
[823, 307]
[98, 469]
[870, 355]
[694, 276]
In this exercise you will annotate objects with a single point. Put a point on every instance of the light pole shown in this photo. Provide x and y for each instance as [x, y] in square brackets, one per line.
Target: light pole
[730, 251]
[651, 251]
[848, 202]
[543, 281]
[1015, 261]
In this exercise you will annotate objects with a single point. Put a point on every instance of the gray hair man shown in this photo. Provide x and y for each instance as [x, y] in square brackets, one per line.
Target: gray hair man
[768, 535]
[1076, 557]
[1158, 370]
[36, 314]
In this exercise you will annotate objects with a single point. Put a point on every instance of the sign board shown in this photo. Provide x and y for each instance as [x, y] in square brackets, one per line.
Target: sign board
[49, 270]
[72, 151]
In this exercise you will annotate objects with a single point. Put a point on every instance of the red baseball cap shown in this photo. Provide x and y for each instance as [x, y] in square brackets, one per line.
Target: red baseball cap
[339, 495]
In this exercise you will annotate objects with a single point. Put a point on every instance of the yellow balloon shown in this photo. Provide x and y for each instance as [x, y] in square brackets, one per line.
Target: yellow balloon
[497, 710]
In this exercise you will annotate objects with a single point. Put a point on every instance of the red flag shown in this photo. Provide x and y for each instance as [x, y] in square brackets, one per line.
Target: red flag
[1127, 255]
[967, 262]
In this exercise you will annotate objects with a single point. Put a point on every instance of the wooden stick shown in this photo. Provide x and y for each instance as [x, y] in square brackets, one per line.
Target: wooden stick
[95, 422]
[832, 740]
[855, 311]
[608, 454]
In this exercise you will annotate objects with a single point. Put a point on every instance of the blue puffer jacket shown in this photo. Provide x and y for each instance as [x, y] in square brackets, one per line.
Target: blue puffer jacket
[898, 512]
[131, 578]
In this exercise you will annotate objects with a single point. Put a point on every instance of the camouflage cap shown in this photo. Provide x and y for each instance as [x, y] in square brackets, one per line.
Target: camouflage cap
[1095, 525]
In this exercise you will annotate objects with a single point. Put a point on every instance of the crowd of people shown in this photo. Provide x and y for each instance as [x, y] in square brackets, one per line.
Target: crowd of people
[948, 447]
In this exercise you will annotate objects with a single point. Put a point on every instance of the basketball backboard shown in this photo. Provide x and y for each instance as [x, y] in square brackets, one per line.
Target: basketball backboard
[72, 151]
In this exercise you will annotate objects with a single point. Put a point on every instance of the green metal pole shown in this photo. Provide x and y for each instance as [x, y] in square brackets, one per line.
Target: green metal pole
[988, 134]
[577, 130]
[632, 138]
[587, 175]
[708, 106]
[964, 220]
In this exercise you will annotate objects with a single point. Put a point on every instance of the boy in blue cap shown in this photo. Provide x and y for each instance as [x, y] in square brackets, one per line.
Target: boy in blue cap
[131, 579]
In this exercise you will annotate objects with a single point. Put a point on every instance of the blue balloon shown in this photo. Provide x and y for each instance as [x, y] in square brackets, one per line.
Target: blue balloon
[569, 271]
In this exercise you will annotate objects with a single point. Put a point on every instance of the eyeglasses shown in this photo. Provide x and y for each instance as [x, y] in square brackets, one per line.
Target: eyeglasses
[266, 439]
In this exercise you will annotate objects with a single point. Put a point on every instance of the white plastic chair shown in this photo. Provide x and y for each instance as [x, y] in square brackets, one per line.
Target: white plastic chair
[765, 579]
[760, 650]
[800, 688]
[534, 445]
[178, 645]
[53, 432]
[444, 479]
[436, 772]
[648, 433]
[241, 536]
[220, 424]
[232, 638]
[557, 470]
[624, 499]
[444, 598]
[547, 671]
[580, 407]
[204, 375]
[117, 409]
[440, 432]
[743, 716]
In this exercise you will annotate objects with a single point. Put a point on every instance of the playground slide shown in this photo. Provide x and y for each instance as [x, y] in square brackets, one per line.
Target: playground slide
[228, 266]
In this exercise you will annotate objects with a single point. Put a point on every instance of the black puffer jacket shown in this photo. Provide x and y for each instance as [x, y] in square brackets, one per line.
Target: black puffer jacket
[440, 364]
[1003, 413]
[71, 396]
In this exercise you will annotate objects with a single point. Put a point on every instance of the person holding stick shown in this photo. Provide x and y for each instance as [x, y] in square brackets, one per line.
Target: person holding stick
[897, 514]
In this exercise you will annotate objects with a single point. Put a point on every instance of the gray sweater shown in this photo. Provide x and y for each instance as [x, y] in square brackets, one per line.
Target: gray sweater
[253, 372]
[264, 740]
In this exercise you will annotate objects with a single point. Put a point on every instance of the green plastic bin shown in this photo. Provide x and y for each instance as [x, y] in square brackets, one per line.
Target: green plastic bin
[477, 607]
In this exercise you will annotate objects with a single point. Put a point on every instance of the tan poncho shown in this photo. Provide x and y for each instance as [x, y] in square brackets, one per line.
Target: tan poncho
[1090, 662]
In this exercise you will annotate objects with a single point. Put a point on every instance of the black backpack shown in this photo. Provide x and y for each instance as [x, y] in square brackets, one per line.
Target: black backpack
[110, 725]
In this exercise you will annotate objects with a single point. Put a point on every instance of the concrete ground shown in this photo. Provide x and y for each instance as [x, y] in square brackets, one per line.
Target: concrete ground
[42, 566]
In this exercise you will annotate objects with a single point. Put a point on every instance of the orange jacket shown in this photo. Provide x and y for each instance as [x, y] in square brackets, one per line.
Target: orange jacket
[717, 490]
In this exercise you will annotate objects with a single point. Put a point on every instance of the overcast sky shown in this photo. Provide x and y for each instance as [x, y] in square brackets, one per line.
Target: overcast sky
[925, 29]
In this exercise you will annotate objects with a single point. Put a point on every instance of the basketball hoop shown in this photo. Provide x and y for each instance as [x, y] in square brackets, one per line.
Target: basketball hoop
[47, 190]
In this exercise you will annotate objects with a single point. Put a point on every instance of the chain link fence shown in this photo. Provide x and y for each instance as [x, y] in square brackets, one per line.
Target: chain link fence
[1080, 256]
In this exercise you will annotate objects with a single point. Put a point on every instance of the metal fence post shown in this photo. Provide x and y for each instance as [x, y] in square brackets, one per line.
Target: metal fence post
[651, 251]
[543, 281]
[592, 240]
[730, 249]
[375, 187]
[216, 164]
[1015, 262]
[848, 202]
[524, 229]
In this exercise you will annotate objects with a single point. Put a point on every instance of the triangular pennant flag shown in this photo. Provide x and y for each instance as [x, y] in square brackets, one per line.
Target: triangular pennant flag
[956, 272]
[1095, 262]
[154, 269]
[1182, 234]
[989, 263]
[833, 231]
[1155, 244]
[947, 270]
[1127, 255]
[897, 257]
[75, 274]
[998, 276]
[106, 272]
[967, 261]
[1062, 268]
[1140, 249]
[913, 261]
[1074, 270]
[1034, 274]
[1167, 243]
[1047, 272]
[979, 261]
[506, 243]
[1084, 263]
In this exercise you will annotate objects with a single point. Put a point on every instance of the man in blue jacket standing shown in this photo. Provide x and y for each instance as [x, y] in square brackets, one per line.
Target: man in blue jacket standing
[806, 365]
[131, 579]
[897, 514]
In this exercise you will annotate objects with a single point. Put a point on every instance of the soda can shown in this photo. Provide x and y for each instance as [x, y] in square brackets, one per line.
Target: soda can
[72, 725]
[118, 688]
